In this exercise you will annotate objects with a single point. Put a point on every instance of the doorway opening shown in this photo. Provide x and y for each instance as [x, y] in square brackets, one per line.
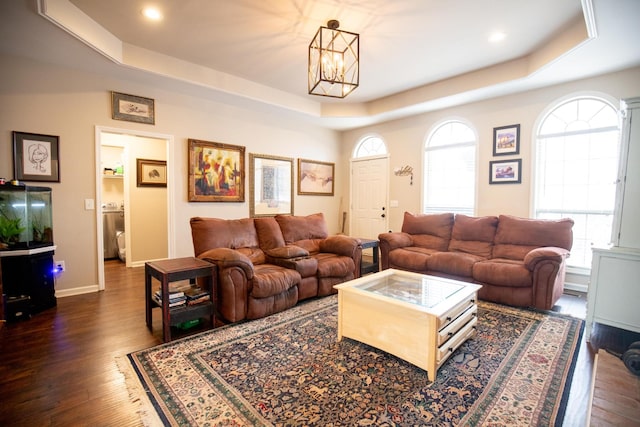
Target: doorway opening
[143, 230]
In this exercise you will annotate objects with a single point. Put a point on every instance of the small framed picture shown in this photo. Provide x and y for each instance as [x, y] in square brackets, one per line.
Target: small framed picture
[36, 157]
[315, 178]
[151, 173]
[132, 108]
[216, 172]
[506, 140]
[505, 171]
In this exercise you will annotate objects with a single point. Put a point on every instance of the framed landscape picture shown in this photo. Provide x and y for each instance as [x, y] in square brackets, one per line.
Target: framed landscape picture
[506, 140]
[36, 157]
[270, 185]
[505, 171]
[315, 178]
[216, 172]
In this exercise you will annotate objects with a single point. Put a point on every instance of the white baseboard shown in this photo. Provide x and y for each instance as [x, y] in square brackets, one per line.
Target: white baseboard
[577, 287]
[61, 293]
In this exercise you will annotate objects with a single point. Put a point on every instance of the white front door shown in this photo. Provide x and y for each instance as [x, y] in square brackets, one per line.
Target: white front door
[369, 197]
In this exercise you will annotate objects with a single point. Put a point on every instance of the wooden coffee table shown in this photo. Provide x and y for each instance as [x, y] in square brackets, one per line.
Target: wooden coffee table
[418, 318]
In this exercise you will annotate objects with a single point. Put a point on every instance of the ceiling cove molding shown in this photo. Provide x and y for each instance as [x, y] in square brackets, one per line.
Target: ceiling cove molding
[471, 86]
[69, 18]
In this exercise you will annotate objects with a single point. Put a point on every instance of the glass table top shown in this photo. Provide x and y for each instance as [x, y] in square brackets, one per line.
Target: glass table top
[426, 291]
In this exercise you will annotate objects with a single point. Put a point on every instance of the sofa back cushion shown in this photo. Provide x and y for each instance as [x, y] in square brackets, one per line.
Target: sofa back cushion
[269, 234]
[238, 234]
[432, 231]
[304, 231]
[515, 237]
[473, 235]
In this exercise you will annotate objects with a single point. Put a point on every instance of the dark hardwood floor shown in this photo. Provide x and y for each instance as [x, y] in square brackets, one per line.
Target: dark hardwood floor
[58, 368]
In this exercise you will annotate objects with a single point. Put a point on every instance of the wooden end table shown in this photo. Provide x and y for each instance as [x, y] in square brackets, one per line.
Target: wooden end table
[173, 270]
[370, 267]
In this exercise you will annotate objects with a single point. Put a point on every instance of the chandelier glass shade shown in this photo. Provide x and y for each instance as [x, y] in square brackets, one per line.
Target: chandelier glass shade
[334, 61]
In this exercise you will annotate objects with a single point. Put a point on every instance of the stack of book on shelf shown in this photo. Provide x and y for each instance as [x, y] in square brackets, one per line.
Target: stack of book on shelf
[183, 295]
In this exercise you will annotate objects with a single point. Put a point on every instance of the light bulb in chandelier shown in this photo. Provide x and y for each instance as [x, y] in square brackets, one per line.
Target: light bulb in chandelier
[333, 67]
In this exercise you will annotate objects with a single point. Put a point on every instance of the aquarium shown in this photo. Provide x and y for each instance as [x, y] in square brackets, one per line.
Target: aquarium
[25, 217]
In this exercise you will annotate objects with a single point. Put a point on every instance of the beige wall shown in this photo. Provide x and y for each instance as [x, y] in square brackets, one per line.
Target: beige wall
[54, 100]
[405, 140]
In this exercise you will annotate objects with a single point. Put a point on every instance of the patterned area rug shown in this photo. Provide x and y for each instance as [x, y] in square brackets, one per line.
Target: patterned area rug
[289, 370]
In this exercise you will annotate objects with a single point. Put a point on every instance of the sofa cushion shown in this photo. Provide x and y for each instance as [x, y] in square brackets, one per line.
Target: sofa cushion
[473, 235]
[269, 234]
[411, 258]
[453, 263]
[304, 231]
[515, 237]
[272, 280]
[330, 265]
[431, 231]
[211, 233]
[502, 272]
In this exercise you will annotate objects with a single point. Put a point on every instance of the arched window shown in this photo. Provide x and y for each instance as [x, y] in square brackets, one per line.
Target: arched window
[450, 169]
[577, 149]
[370, 146]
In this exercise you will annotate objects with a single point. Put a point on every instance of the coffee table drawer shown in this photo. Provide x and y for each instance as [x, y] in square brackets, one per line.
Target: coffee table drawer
[456, 324]
[460, 337]
[453, 314]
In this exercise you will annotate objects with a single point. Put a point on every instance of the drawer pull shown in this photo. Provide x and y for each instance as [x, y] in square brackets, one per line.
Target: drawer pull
[450, 334]
[448, 318]
[450, 349]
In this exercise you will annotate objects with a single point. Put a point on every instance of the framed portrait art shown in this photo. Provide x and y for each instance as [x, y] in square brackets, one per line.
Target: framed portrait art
[216, 172]
[270, 185]
[36, 157]
[315, 178]
[505, 171]
[132, 108]
[151, 173]
[506, 140]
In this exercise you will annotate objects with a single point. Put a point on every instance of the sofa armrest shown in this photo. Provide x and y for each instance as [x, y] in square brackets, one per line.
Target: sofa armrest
[306, 266]
[226, 258]
[547, 253]
[341, 245]
[395, 240]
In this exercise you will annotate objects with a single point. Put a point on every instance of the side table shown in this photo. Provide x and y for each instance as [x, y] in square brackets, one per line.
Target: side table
[370, 267]
[173, 270]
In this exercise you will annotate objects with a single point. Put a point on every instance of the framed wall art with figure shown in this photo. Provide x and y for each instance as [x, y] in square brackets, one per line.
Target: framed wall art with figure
[216, 172]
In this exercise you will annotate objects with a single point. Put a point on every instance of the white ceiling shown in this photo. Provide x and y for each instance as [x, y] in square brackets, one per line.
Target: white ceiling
[416, 55]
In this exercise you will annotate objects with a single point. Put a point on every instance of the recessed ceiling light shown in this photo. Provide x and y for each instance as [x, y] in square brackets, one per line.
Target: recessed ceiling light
[152, 13]
[497, 36]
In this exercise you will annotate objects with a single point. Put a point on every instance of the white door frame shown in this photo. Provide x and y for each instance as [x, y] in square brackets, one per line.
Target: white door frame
[99, 130]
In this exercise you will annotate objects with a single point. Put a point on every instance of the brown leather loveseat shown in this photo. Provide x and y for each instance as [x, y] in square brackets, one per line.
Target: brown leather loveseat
[518, 261]
[266, 265]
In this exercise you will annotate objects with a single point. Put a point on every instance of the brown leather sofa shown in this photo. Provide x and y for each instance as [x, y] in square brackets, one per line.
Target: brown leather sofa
[266, 265]
[518, 261]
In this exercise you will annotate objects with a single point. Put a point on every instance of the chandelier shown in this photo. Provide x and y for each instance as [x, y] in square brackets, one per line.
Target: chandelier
[334, 61]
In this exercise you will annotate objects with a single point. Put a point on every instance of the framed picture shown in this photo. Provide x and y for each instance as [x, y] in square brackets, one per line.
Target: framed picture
[506, 140]
[270, 185]
[216, 172]
[315, 178]
[505, 171]
[132, 108]
[36, 157]
[151, 173]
